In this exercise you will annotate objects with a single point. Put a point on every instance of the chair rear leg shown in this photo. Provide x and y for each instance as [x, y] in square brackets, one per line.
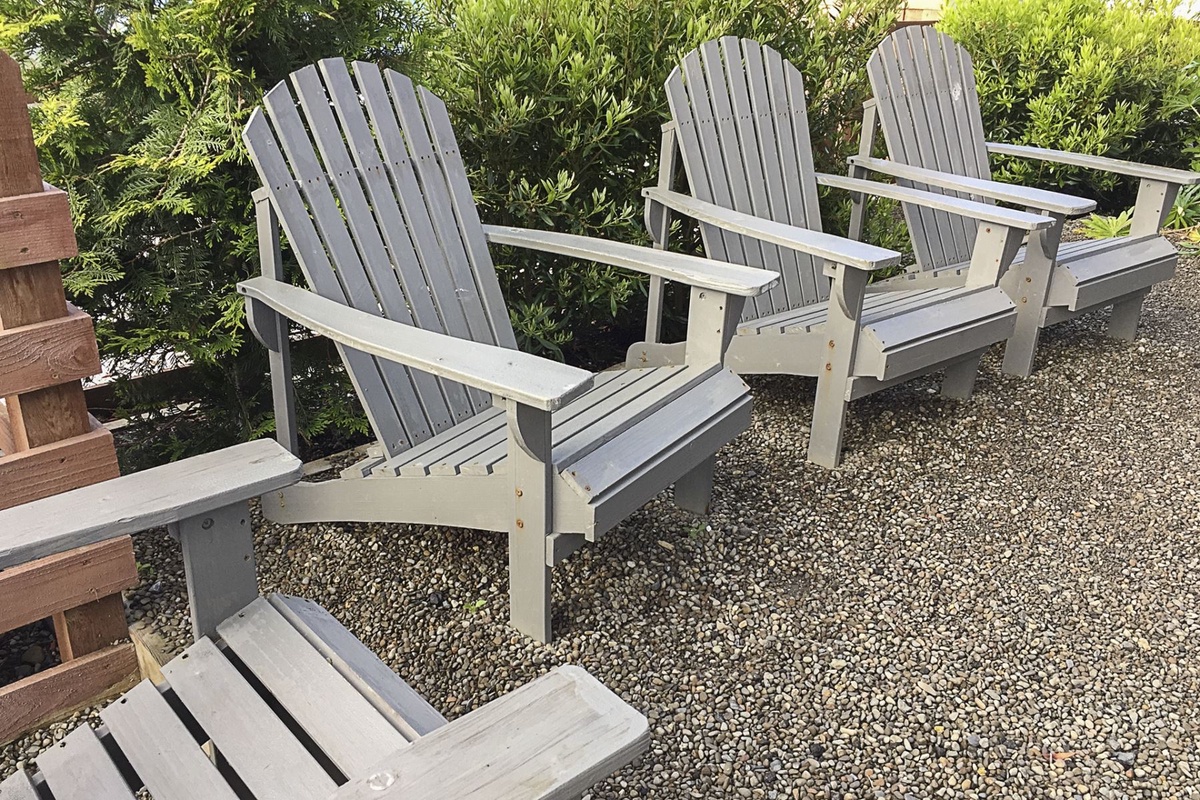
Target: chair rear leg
[1126, 312]
[959, 380]
[828, 423]
[693, 491]
[529, 583]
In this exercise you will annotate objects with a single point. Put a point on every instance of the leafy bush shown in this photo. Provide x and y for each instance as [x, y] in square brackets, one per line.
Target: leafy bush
[1185, 213]
[1107, 77]
[558, 106]
[139, 117]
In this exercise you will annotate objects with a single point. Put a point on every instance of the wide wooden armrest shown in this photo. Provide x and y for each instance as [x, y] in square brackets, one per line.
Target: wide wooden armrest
[703, 273]
[147, 499]
[1054, 202]
[822, 245]
[555, 737]
[1151, 172]
[971, 209]
[527, 379]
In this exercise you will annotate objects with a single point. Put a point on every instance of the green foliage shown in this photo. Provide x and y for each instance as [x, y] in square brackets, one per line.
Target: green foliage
[1099, 226]
[1107, 77]
[1185, 213]
[558, 106]
[140, 109]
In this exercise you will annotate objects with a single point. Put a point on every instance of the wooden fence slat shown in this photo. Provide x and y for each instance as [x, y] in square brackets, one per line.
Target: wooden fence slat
[48, 353]
[56, 692]
[36, 228]
[38, 589]
[57, 467]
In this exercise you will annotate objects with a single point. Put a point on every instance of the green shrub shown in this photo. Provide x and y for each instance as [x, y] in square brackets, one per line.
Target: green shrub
[558, 106]
[139, 117]
[1107, 77]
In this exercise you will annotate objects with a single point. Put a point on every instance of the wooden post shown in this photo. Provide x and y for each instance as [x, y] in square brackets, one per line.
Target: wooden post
[48, 441]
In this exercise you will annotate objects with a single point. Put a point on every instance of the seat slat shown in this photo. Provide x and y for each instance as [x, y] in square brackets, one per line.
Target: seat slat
[18, 786]
[409, 712]
[416, 463]
[575, 426]
[78, 768]
[158, 745]
[343, 724]
[607, 465]
[432, 411]
[364, 370]
[272, 763]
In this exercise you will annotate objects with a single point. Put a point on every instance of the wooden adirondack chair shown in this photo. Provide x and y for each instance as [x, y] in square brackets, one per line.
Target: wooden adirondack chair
[294, 706]
[738, 120]
[928, 107]
[365, 177]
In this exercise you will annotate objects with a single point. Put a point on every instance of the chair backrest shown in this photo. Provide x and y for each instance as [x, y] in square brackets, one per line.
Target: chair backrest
[742, 128]
[370, 189]
[928, 107]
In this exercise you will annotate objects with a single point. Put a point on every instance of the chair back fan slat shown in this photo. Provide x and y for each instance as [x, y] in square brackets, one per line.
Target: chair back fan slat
[365, 175]
[928, 104]
[740, 116]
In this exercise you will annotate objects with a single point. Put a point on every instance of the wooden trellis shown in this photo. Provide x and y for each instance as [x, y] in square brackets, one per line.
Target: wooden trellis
[48, 441]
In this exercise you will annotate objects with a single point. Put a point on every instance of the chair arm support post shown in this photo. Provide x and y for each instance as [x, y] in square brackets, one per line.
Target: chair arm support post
[658, 223]
[993, 253]
[1154, 201]
[271, 328]
[866, 143]
[712, 321]
[218, 563]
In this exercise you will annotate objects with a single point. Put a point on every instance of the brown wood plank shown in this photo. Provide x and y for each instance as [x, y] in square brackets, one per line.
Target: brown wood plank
[57, 467]
[6, 438]
[19, 170]
[35, 228]
[44, 587]
[48, 353]
[59, 691]
[91, 627]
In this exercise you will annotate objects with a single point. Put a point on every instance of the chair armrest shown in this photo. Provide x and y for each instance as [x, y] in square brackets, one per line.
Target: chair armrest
[822, 245]
[148, 499]
[527, 379]
[1151, 172]
[983, 212]
[555, 737]
[703, 273]
[1054, 202]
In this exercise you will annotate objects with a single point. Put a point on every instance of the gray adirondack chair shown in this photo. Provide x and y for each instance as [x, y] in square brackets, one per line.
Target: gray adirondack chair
[365, 177]
[738, 121]
[926, 102]
[293, 704]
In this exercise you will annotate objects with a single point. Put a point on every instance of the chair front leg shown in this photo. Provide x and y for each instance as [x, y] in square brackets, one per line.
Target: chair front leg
[532, 471]
[1028, 287]
[833, 384]
[218, 564]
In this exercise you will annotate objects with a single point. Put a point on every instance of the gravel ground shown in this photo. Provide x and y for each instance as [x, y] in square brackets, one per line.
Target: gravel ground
[989, 599]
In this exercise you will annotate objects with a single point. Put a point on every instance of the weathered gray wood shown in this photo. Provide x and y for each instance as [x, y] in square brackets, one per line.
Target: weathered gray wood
[535, 381]
[347, 728]
[78, 768]
[842, 326]
[1152, 172]
[18, 786]
[1030, 280]
[573, 732]
[364, 371]
[693, 491]
[160, 748]
[272, 763]
[532, 469]
[658, 222]
[142, 500]
[387, 692]
[1123, 322]
[959, 380]
[694, 271]
[218, 562]
[287, 428]
[823, 245]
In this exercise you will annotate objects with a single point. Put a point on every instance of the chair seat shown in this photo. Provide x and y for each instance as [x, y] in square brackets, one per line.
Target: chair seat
[628, 417]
